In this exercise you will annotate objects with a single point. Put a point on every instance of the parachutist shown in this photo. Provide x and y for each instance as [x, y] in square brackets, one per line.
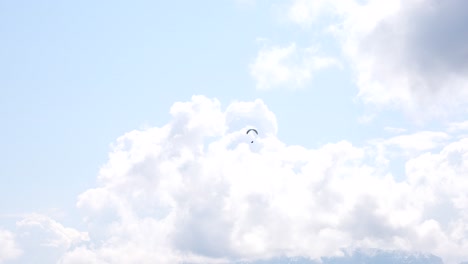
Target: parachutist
[256, 134]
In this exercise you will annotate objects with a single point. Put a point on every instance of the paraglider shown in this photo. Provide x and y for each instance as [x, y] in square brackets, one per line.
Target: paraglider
[252, 130]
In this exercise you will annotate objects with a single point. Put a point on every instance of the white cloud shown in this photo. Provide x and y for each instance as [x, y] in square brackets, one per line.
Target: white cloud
[9, 248]
[289, 66]
[406, 54]
[305, 12]
[410, 57]
[458, 126]
[395, 130]
[58, 235]
[415, 143]
[196, 190]
[441, 177]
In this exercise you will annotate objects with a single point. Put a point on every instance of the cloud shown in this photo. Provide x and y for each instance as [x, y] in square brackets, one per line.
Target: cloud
[415, 143]
[412, 58]
[9, 249]
[394, 130]
[58, 235]
[289, 66]
[406, 54]
[44, 240]
[305, 12]
[196, 190]
[440, 176]
[458, 126]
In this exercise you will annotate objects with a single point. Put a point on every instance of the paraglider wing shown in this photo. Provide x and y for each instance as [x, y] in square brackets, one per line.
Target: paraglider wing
[252, 130]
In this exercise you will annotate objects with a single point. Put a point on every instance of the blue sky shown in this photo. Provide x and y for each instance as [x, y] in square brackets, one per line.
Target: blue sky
[359, 97]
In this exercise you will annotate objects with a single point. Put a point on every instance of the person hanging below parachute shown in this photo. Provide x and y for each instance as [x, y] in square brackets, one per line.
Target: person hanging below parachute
[252, 130]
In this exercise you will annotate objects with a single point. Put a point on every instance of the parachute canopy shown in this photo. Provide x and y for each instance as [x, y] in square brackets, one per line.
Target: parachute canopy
[251, 129]
[253, 133]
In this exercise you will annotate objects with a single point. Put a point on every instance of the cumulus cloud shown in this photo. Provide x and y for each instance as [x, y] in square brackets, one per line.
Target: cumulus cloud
[406, 54]
[288, 66]
[9, 249]
[416, 56]
[56, 235]
[196, 190]
[44, 240]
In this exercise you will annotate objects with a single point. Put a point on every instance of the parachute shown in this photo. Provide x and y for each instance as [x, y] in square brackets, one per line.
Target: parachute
[252, 130]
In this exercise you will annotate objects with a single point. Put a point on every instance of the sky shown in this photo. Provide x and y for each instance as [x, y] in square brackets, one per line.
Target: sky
[123, 130]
